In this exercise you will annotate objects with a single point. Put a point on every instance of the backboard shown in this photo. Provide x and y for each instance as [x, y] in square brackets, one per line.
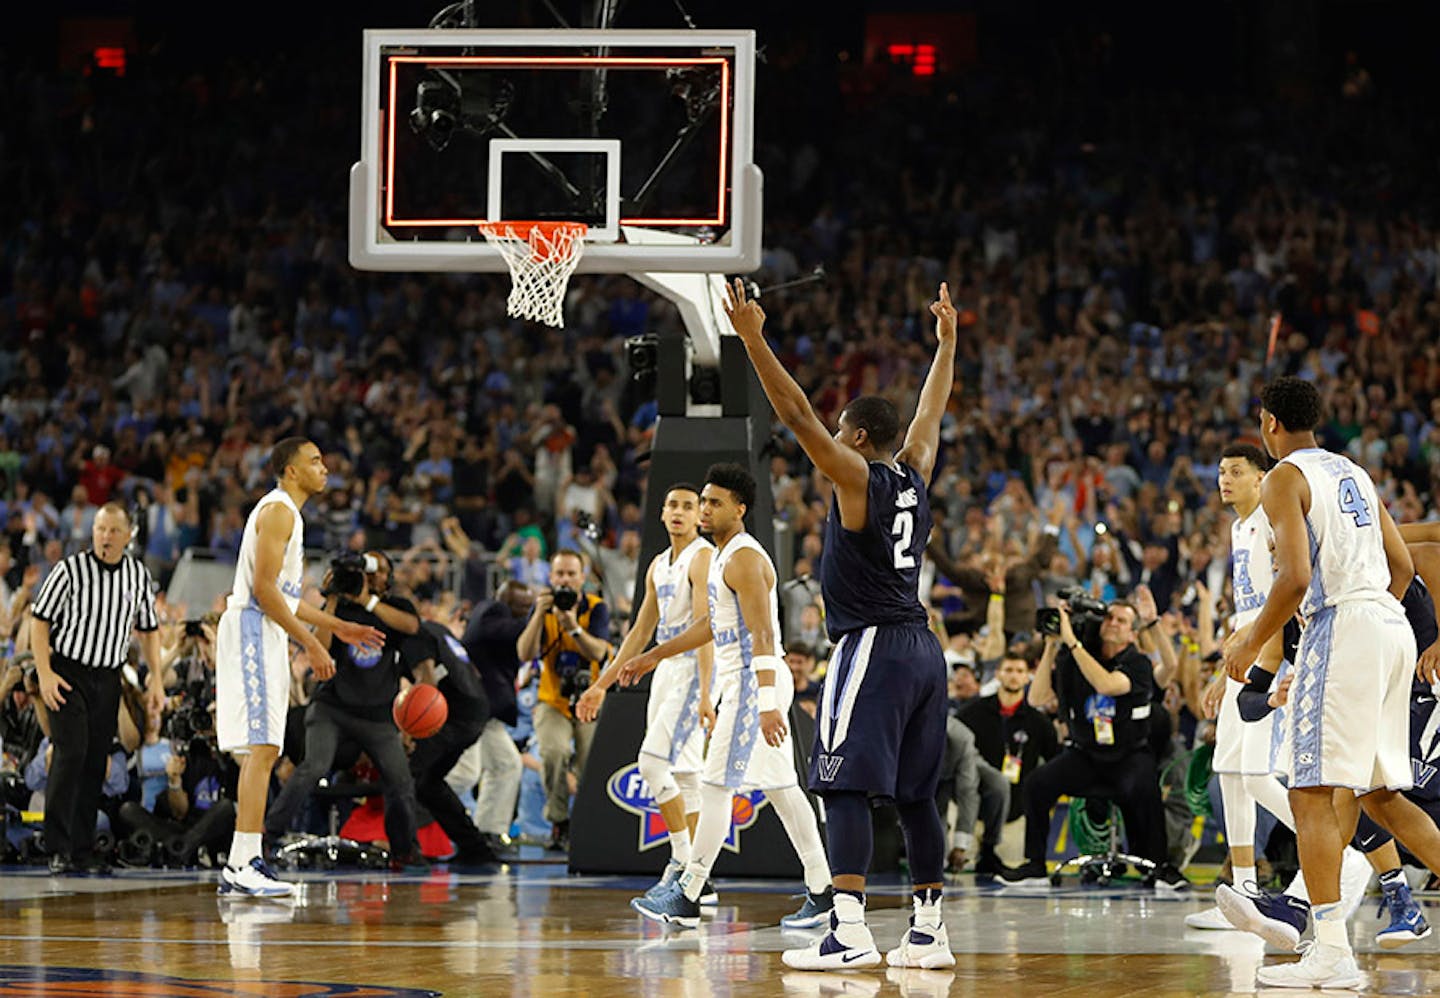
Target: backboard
[638, 134]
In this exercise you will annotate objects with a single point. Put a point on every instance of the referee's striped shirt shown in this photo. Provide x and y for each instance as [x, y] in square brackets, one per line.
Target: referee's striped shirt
[92, 607]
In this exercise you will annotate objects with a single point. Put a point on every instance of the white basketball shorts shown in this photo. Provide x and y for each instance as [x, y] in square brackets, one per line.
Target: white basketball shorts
[1241, 747]
[1350, 703]
[252, 680]
[672, 716]
[739, 757]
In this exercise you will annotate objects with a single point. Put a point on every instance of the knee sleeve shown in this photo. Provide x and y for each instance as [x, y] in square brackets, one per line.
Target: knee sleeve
[924, 841]
[793, 809]
[1270, 793]
[689, 784]
[848, 829]
[656, 772]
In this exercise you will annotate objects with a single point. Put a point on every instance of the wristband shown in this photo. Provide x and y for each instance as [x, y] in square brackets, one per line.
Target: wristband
[767, 699]
[575, 632]
[176, 785]
[372, 603]
[1150, 624]
[997, 597]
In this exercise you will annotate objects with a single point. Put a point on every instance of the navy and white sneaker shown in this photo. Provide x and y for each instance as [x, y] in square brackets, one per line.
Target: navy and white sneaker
[1407, 924]
[847, 946]
[1277, 918]
[254, 879]
[668, 876]
[669, 905]
[814, 913]
[709, 896]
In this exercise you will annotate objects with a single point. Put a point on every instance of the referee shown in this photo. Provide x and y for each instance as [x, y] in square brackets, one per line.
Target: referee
[80, 632]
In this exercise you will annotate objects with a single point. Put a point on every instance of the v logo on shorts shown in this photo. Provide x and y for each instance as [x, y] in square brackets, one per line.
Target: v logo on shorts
[828, 766]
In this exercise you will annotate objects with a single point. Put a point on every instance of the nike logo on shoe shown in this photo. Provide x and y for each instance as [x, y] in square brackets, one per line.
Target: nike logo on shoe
[852, 957]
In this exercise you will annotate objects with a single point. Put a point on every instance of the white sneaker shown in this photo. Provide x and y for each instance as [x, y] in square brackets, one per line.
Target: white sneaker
[1355, 874]
[1211, 918]
[1320, 966]
[847, 946]
[921, 983]
[925, 944]
[255, 879]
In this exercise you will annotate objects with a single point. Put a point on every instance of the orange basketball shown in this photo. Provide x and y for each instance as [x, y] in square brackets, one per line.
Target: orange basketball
[420, 711]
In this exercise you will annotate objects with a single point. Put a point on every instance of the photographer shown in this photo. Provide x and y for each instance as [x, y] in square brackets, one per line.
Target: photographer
[187, 791]
[1104, 685]
[355, 704]
[567, 631]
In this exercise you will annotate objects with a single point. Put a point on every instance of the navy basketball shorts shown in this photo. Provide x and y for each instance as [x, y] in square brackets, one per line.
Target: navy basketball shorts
[881, 724]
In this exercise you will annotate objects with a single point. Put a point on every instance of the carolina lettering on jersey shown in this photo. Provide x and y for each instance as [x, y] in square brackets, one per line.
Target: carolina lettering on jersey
[871, 577]
[1250, 564]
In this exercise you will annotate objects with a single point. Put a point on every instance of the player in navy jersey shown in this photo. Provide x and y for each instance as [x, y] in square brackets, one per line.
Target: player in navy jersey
[881, 727]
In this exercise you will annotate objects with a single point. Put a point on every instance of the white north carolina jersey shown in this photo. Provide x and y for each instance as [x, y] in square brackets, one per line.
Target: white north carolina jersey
[673, 590]
[732, 637]
[292, 570]
[1347, 549]
[1251, 568]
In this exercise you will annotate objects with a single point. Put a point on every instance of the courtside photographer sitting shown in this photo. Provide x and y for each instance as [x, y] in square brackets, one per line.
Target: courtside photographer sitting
[1103, 683]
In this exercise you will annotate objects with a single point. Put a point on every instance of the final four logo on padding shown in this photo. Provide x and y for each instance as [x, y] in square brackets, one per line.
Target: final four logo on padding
[628, 791]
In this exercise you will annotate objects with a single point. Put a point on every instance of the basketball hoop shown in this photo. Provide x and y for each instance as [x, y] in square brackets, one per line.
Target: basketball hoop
[541, 257]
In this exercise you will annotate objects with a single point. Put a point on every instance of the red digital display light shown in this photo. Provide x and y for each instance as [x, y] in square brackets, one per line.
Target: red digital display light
[111, 57]
[921, 58]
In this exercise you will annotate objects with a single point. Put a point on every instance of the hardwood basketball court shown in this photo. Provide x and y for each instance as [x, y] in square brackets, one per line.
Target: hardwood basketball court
[532, 930]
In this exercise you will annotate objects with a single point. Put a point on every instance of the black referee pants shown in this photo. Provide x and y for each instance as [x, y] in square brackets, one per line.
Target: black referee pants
[1131, 781]
[80, 733]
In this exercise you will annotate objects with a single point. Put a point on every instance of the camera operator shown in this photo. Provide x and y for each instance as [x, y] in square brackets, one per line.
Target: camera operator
[438, 655]
[355, 704]
[568, 632]
[187, 789]
[1104, 689]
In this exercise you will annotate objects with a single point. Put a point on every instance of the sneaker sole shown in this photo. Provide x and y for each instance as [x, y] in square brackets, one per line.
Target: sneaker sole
[1244, 918]
[1201, 923]
[1395, 940]
[709, 900]
[1333, 984]
[684, 921]
[803, 959]
[936, 960]
[814, 922]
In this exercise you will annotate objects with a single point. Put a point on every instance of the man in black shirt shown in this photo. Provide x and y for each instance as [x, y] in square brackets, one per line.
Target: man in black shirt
[490, 637]
[432, 650]
[1105, 704]
[1010, 735]
[355, 705]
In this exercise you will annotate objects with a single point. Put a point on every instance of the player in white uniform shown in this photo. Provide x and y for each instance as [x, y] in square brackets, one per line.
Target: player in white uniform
[1339, 561]
[252, 653]
[750, 746]
[1248, 753]
[680, 708]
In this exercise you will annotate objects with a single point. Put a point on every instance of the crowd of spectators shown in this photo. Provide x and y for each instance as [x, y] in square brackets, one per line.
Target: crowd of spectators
[175, 297]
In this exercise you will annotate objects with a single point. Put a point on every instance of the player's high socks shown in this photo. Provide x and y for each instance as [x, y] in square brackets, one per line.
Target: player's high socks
[1407, 924]
[847, 946]
[925, 943]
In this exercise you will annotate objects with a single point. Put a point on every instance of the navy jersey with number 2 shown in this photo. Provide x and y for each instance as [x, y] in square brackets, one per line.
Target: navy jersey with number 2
[881, 723]
[871, 577]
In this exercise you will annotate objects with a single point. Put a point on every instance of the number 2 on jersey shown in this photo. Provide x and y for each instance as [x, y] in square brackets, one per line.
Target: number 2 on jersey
[1352, 502]
[904, 529]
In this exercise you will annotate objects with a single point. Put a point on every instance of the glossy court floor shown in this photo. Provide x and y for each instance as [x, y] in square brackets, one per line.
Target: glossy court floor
[532, 930]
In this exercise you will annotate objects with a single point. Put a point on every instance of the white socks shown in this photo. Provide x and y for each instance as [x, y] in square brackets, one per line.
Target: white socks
[1330, 925]
[680, 846]
[244, 847]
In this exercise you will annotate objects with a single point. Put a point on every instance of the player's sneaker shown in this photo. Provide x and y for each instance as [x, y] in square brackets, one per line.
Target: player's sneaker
[255, 879]
[1166, 877]
[669, 905]
[1211, 919]
[1279, 919]
[814, 913]
[1407, 925]
[1319, 966]
[847, 946]
[925, 943]
[1355, 874]
[709, 896]
[668, 876]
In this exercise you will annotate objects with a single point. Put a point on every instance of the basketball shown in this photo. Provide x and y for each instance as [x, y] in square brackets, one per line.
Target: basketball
[420, 711]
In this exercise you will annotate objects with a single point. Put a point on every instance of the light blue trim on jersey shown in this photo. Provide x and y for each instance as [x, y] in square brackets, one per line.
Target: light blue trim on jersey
[1307, 699]
[1278, 719]
[1314, 593]
[252, 674]
[747, 642]
[689, 717]
[746, 730]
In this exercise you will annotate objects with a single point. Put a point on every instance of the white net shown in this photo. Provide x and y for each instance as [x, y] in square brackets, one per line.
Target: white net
[541, 257]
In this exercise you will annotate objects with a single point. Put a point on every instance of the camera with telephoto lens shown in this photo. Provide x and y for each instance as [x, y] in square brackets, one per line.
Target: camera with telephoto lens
[190, 722]
[347, 573]
[565, 598]
[1086, 612]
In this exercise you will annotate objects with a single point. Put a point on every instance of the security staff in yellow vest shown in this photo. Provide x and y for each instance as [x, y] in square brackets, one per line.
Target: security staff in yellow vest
[568, 632]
